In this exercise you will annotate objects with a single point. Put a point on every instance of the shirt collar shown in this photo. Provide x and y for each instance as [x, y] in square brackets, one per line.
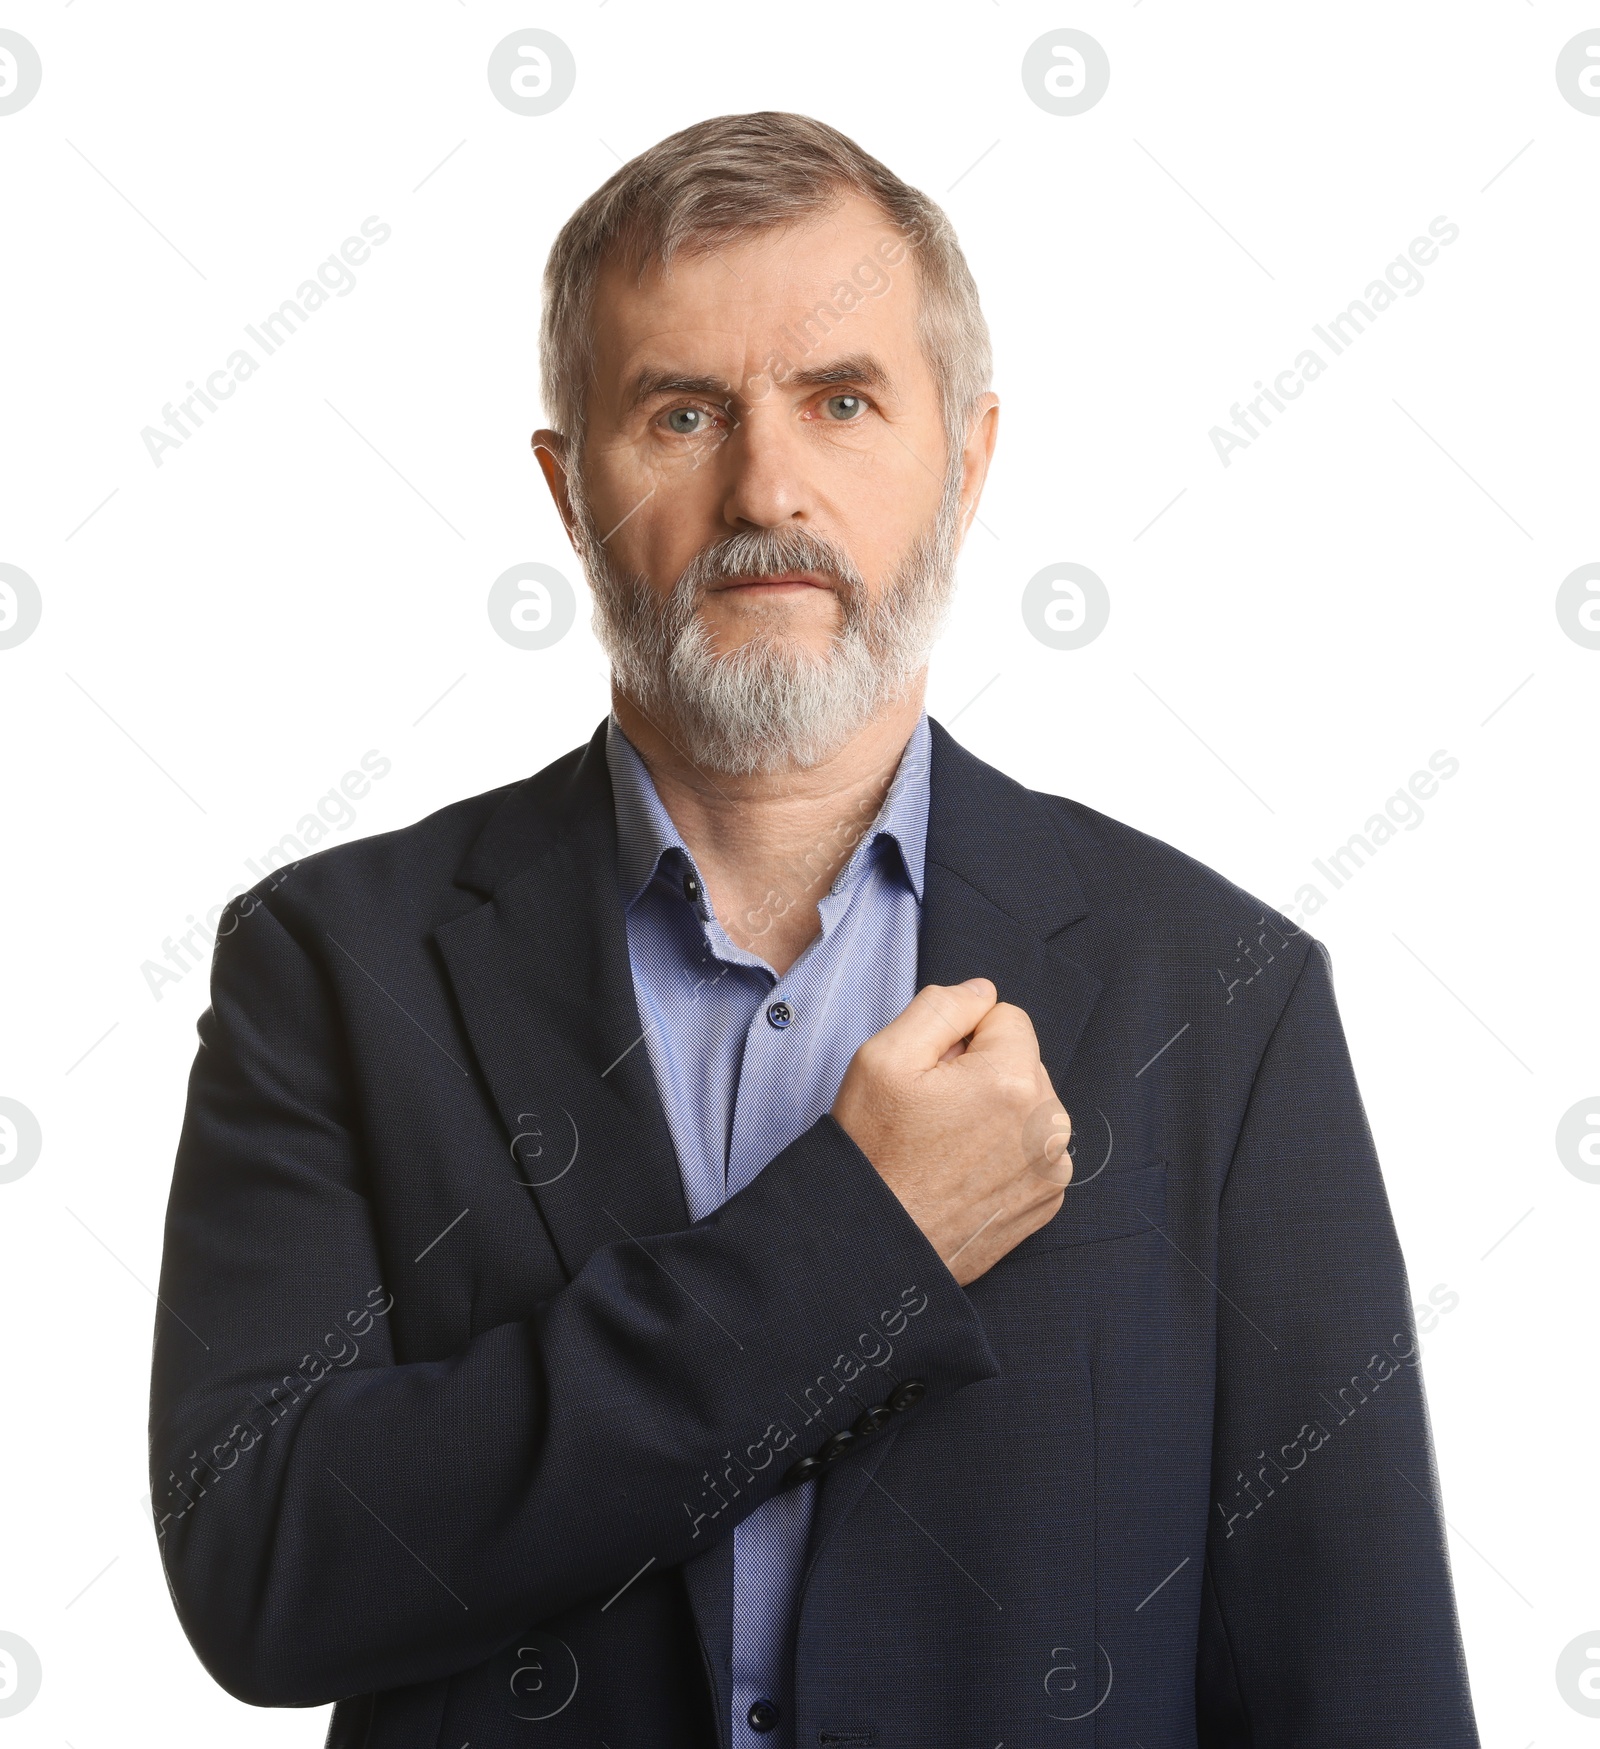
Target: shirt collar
[645, 832]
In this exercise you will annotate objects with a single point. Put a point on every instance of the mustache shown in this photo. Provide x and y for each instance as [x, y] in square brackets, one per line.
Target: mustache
[770, 552]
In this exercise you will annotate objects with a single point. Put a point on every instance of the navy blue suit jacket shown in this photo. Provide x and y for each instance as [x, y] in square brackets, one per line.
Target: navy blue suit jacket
[454, 1411]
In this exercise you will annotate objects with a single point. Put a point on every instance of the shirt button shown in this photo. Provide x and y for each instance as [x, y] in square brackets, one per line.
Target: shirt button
[691, 888]
[763, 1716]
[779, 1015]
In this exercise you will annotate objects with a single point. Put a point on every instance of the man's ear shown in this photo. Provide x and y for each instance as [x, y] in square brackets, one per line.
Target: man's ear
[550, 451]
[977, 454]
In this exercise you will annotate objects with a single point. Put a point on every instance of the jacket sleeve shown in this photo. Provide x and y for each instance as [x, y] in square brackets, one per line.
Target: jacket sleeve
[334, 1519]
[1327, 1617]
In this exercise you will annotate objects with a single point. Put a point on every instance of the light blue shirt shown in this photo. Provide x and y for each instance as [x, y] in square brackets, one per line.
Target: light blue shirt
[746, 1062]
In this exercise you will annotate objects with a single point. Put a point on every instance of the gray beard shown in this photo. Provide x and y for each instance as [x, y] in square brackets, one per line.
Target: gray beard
[771, 705]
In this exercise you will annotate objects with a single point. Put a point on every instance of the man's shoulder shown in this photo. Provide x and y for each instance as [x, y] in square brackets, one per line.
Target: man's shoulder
[1130, 882]
[1131, 872]
[416, 870]
[1154, 911]
[1146, 902]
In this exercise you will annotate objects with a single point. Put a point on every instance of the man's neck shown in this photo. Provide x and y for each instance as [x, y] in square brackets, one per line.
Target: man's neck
[769, 844]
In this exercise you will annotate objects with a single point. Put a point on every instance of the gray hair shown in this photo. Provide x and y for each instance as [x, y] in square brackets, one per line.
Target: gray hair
[769, 706]
[732, 177]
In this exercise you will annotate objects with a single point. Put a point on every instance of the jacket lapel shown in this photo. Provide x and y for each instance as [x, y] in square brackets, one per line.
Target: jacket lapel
[540, 972]
[998, 889]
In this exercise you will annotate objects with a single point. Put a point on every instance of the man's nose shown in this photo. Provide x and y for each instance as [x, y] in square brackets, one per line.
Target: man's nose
[764, 461]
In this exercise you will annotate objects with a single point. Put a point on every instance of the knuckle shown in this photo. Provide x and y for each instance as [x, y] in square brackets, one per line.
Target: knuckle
[1017, 1087]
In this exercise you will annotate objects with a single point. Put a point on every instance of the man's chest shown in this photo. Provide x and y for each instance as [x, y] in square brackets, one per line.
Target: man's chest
[745, 1060]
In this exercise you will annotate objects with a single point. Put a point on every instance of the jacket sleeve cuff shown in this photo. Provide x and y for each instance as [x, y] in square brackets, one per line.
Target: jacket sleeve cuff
[849, 1259]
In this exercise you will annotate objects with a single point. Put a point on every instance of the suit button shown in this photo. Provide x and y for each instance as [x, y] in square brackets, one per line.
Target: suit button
[836, 1446]
[801, 1472]
[872, 1421]
[904, 1395]
[763, 1716]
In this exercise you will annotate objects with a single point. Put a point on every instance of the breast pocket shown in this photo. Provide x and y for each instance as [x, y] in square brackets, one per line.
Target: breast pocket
[1111, 1205]
[1045, 1303]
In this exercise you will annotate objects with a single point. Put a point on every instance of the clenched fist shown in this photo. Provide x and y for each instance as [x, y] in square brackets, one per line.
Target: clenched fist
[952, 1105]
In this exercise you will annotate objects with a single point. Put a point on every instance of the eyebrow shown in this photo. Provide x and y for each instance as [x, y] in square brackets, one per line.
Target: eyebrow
[857, 368]
[648, 385]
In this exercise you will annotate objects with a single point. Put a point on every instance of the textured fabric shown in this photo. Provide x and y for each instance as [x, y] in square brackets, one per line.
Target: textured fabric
[737, 1090]
[455, 1409]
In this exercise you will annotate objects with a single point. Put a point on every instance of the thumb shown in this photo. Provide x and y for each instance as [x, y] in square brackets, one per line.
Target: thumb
[937, 1017]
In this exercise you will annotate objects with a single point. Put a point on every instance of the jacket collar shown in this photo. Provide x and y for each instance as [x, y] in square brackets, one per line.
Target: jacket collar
[646, 833]
[537, 814]
[986, 830]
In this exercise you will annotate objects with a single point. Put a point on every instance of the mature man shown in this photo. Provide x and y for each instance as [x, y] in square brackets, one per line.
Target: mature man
[623, 1283]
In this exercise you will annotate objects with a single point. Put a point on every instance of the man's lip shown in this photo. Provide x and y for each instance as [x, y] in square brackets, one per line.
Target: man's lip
[790, 578]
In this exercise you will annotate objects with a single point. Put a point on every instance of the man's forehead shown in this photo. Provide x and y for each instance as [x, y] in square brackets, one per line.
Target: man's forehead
[848, 269]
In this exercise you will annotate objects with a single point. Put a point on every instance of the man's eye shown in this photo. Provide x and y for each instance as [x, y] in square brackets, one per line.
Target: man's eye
[844, 407]
[687, 421]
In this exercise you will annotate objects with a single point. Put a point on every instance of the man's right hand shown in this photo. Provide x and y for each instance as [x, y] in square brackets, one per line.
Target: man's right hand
[952, 1105]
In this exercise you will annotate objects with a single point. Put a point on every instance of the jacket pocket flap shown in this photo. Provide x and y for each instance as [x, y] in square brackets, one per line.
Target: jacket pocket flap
[1110, 1205]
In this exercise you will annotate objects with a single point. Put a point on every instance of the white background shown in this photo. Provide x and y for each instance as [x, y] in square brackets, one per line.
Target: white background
[1373, 580]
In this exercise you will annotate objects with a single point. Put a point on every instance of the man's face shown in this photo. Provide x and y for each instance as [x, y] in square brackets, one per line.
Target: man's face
[767, 503]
